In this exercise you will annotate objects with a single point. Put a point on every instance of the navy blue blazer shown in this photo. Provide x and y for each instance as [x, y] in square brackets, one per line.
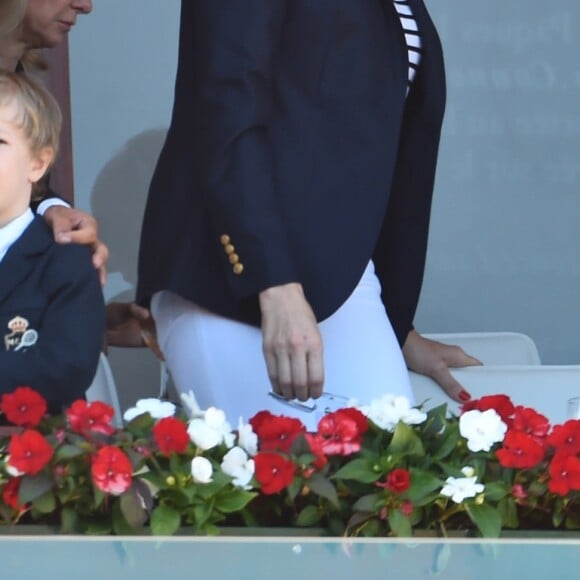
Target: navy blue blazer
[54, 290]
[293, 155]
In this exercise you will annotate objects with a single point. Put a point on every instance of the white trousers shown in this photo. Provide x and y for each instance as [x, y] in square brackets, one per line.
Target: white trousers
[221, 360]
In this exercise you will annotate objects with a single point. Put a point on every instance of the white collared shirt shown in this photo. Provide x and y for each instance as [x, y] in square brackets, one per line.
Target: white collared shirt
[13, 230]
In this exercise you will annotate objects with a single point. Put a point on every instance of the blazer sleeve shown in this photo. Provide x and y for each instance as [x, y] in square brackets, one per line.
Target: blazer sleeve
[232, 52]
[62, 363]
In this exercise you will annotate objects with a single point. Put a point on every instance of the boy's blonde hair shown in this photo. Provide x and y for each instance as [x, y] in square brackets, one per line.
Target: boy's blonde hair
[38, 115]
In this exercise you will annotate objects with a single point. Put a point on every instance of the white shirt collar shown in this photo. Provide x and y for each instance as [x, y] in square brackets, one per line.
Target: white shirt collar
[13, 230]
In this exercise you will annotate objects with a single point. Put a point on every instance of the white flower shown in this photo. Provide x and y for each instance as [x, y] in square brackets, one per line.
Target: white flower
[247, 439]
[237, 465]
[157, 408]
[191, 405]
[481, 429]
[201, 470]
[211, 430]
[460, 488]
[387, 411]
[11, 470]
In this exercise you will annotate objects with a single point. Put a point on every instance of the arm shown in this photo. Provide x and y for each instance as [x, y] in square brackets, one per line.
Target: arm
[61, 365]
[230, 62]
[227, 57]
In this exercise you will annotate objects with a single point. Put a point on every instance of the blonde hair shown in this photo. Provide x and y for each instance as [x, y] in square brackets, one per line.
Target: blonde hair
[37, 113]
[11, 15]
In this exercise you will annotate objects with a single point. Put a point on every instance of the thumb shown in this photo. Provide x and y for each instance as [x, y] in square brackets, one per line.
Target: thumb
[458, 358]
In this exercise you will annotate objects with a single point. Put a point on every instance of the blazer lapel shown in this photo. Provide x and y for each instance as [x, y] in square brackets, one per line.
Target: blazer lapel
[18, 263]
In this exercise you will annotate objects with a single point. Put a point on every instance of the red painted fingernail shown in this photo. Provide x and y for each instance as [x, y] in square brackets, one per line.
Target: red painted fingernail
[464, 396]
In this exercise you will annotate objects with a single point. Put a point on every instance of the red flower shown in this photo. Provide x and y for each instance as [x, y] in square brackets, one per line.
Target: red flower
[398, 480]
[171, 435]
[276, 432]
[23, 407]
[565, 474]
[317, 447]
[10, 494]
[112, 470]
[531, 422]
[566, 438]
[29, 452]
[273, 472]
[520, 451]
[502, 405]
[340, 432]
[362, 423]
[94, 417]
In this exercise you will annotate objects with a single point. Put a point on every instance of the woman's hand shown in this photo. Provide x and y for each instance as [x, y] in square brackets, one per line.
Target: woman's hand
[71, 226]
[130, 325]
[292, 343]
[434, 359]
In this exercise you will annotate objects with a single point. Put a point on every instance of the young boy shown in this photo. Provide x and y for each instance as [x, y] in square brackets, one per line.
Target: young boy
[52, 316]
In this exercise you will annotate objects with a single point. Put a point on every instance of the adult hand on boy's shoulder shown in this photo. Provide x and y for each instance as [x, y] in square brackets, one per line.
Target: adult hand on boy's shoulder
[72, 226]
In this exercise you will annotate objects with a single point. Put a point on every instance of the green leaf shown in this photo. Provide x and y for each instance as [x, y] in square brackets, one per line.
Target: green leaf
[32, 487]
[69, 520]
[423, 483]
[495, 491]
[399, 523]
[294, 488]
[300, 446]
[132, 509]
[361, 470]
[486, 518]
[46, 503]
[202, 513]
[121, 526]
[572, 521]
[508, 512]
[309, 516]
[165, 521]
[367, 503]
[447, 442]
[323, 487]
[406, 442]
[68, 452]
[234, 501]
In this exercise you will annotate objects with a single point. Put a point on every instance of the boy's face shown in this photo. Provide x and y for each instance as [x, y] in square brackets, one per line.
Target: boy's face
[47, 22]
[19, 166]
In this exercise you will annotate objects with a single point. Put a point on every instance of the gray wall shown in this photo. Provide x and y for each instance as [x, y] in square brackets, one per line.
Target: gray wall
[504, 251]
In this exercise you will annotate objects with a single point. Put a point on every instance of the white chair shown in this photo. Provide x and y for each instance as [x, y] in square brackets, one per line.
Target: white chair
[545, 388]
[103, 389]
[494, 348]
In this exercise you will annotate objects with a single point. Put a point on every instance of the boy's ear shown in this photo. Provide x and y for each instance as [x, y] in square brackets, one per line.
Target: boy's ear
[40, 162]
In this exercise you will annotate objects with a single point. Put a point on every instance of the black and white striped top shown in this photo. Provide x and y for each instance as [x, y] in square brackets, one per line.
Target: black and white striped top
[412, 37]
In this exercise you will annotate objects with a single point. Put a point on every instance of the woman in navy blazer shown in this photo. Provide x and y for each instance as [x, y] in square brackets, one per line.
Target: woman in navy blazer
[294, 157]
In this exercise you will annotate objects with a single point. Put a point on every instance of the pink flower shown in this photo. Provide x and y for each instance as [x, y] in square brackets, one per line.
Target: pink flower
[112, 470]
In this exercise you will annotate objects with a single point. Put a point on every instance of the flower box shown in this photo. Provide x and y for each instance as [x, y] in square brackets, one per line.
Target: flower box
[386, 469]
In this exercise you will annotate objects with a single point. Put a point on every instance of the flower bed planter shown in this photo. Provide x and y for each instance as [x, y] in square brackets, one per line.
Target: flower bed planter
[384, 470]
